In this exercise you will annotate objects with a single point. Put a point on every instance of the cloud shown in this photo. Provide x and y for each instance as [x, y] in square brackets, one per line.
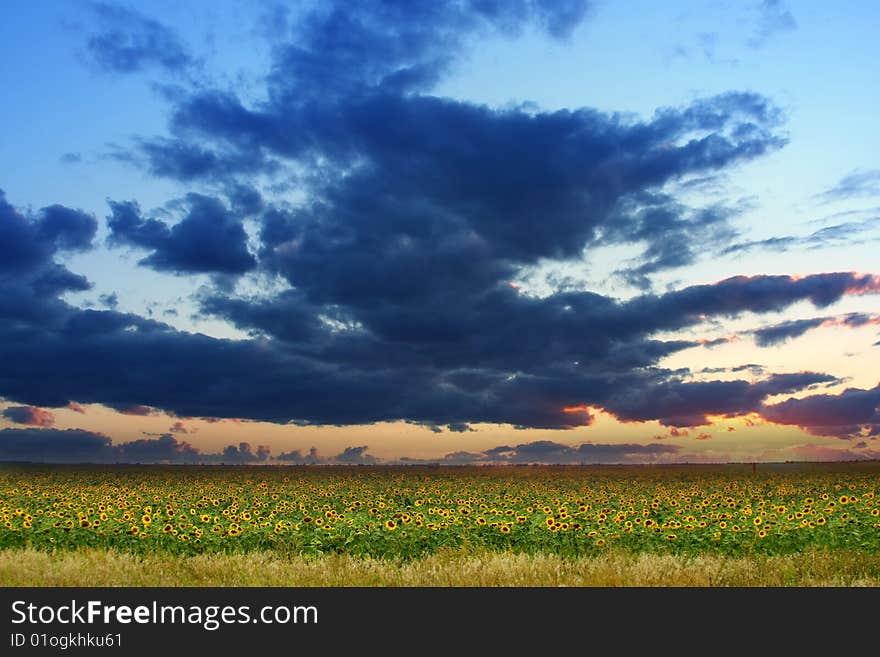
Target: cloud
[164, 449]
[134, 409]
[779, 333]
[413, 216]
[545, 451]
[126, 41]
[29, 242]
[484, 371]
[810, 452]
[297, 457]
[80, 446]
[178, 160]
[837, 235]
[209, 238]
[460, 427]
[110, 301]
[773, 18]
[244, 453]
[356, 455]
[686, 404]
[853, 413]
[853, 185]
[52, 445]
[31, 278]
[348, 456]
[178, 427]
[30, 415]
[338, 49]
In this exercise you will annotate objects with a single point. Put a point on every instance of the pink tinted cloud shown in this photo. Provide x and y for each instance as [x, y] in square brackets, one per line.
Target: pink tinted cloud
[30, 415]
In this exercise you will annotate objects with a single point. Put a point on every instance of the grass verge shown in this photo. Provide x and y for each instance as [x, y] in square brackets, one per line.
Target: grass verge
[89, 567]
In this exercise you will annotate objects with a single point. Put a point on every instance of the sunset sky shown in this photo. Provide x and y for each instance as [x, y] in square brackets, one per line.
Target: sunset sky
[464, 232]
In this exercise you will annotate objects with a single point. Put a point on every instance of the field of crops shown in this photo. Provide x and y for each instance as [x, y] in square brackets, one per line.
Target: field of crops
[415, 511]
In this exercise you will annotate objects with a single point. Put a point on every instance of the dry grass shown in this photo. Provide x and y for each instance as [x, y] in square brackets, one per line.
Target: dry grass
[110, 568]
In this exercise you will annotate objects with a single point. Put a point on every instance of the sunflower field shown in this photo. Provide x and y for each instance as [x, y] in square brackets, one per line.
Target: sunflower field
[408, 512]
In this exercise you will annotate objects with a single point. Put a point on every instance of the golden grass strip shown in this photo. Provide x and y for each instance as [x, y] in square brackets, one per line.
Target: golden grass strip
[27, 567]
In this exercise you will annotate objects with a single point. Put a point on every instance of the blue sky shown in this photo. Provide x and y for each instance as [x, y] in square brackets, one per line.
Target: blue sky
[436, 187]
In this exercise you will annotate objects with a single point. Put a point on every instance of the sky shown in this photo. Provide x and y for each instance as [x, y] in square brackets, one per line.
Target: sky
[479, 231]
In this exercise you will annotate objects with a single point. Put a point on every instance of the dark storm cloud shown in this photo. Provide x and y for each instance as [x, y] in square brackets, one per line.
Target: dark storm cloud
[208, 239]
[53, 445]
[30, 415]
[126, 41]
[856, 184]
[684, 404]
[434, 168]
[339, 48]
[188, 162]
[163, 449]
[66, 229]
[80, 446]
[30, 277]
[587, 350]
[424, 183]
[28, 243]
[674, 239]
[192, 375]
[244, 453]
[851, 414]
[297, 457]
[356, 455]
[575, 334]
